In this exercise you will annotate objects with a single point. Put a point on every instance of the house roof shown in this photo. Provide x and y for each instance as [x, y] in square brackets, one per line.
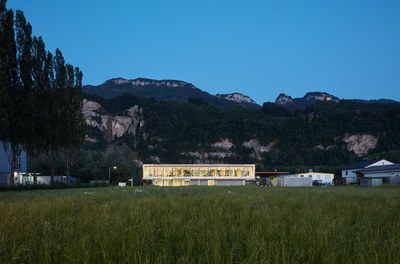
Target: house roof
[359, 165]
[392, 167]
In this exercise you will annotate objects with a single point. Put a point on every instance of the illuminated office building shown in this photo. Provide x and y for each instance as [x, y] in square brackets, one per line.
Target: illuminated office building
[198, 174]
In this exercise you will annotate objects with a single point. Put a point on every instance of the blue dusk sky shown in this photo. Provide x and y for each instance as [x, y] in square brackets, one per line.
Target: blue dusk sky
[349, 48]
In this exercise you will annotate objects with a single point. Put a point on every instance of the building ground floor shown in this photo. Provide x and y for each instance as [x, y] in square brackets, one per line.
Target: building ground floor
[198, 182]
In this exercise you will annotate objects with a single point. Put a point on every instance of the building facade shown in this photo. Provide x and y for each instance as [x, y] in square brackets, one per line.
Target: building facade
[27, 178]
[292, 181]
[319, 178]
[198, 174]
[5, 166]
[386, 174]
[349, 172]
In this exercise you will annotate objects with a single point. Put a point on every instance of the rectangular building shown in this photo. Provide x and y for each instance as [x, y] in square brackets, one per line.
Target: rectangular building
[387, 174]
[198, 174]
[349, 172]
[319, 178]
[292, 181]
[5, 166]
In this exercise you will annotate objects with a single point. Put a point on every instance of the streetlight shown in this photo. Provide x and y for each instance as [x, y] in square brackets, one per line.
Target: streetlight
[109, 173]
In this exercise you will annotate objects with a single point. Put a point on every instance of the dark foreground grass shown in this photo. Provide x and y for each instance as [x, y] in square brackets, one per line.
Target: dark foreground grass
[201, 225]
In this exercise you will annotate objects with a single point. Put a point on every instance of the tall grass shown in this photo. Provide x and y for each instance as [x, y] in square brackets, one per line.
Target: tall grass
[201, 225]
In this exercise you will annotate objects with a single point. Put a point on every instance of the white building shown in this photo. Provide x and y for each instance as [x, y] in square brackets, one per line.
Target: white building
[292, 181]
[198, 174]
[5, 166]
[386, 173]
[349, 172]
[27, 178]
[319, 178]
[304, 179]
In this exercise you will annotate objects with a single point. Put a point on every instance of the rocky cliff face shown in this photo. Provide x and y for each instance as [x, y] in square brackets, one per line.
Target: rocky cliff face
[360, 144]
[113, 126]
[283, 99]
[257, 148]
[237, 97]
[320, 96]
[150, 82]
[307, 100]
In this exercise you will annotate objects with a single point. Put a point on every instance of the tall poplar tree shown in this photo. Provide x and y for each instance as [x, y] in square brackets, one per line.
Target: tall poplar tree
[55, 114]
[9, 82]
[41, 88]
[3, 72]
[24, 101]
[73, 122]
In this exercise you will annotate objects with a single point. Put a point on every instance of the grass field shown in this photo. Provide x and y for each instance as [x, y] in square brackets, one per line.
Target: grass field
[201, 225]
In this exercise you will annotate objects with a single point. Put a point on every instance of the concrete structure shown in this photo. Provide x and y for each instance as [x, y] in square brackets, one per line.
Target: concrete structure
[349, 172]
[292, 181]
[198, 174]
[5, 166]
[389, 174]
[318, 178]
[264, 178]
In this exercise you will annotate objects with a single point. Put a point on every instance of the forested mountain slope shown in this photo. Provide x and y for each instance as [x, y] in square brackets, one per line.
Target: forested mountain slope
[323, 136]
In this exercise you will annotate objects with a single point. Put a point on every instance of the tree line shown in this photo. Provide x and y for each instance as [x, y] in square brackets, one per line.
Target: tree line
[40, 97]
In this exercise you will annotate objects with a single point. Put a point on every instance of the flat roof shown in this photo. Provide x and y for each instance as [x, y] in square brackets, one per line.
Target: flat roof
[271, 172]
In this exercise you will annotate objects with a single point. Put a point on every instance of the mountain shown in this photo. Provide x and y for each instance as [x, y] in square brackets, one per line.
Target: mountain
[167, 90]
[307, 100]
[128, 127]
[316, 97]
[376, 101]
[239, 98]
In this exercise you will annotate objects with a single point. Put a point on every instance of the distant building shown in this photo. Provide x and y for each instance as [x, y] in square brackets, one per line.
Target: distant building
[5, 167]
[377, 175]
[265, 177]
[349, 172]
[27, 178]
[304, 179]
[198, 174]
[318, 178]
[292, 181]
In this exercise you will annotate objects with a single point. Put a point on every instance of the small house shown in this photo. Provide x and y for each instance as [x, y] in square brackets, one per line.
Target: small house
[349, 172]
[389, 174]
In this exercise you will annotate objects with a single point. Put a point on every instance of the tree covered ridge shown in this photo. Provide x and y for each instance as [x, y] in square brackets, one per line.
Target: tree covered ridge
[273, 137]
